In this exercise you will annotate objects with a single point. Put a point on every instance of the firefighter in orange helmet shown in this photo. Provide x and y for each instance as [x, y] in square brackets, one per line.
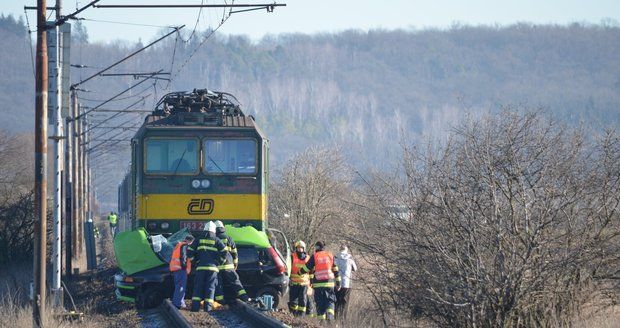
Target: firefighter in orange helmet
[299, 281]
[325, 280]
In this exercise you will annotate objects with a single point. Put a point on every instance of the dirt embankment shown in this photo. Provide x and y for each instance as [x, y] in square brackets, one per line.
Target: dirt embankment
[93, 292]
[293, 321]
[200, 319]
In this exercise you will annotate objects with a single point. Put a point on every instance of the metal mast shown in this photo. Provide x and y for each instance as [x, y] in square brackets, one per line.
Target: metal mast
[58, 151]
[40, 162]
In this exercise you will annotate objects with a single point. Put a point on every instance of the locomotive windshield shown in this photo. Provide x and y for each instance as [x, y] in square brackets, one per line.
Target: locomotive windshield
[230, 156]
[171, 156]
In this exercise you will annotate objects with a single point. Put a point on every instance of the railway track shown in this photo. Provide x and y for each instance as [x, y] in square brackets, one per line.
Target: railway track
[241, 315]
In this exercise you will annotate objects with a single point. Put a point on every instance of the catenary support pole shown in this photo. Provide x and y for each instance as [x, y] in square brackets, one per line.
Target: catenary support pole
[68, 233]
[56, 244]
[84, 126]
[77, 181]
[78, 195]
[40, 162]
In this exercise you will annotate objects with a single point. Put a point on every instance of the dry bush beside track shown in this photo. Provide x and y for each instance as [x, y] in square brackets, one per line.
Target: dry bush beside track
[309, 189]
[513, 222]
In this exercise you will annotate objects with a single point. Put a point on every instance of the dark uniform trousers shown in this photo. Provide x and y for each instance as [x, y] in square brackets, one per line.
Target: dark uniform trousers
[297, 299]
[229, 287]
[205, 282]
[310, 308]
[325, 298]
[342, 302]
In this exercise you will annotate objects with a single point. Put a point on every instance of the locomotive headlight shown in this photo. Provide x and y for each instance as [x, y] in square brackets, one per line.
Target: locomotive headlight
[196, 184]
[205, 183]
[165, 225]
[152, 226]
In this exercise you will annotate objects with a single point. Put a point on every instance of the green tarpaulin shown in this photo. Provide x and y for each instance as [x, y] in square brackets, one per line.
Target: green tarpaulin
[248, 236]
[133, 252]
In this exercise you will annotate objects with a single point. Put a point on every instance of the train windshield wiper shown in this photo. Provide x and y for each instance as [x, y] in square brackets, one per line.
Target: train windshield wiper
[212, 161]
[179, 163]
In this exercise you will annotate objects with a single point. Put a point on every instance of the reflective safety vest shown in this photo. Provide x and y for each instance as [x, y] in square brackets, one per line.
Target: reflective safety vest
[323, 264]
[296, 277]
[112, 218]
[175, 260]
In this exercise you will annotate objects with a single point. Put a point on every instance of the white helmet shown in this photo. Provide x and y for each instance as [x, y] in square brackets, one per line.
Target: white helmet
[219, 224]
[210, 226]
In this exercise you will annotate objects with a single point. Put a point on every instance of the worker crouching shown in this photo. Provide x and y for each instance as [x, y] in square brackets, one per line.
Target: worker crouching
[299, 282]
[324, 281]
[181, 266]
[210, 253]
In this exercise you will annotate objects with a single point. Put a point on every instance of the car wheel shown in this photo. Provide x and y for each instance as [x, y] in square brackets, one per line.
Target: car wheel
[270, 291]
[149, 297]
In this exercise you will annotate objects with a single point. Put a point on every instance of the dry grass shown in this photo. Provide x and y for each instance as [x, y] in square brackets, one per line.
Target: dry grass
[606, 318]
[16, 313]
[93, 293]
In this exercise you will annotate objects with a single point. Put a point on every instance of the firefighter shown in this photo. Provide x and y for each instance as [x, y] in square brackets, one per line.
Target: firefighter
[112, 218]
[324, 281]
[227, 277]
[299, 282]
[181, 266]
[210, 253]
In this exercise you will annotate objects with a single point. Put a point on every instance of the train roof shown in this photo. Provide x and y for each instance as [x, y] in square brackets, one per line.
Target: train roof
[193, 119]
[200, 107]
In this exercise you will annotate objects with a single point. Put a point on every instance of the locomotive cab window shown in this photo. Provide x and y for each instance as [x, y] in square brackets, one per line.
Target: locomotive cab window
[230, 156]
[171, 156]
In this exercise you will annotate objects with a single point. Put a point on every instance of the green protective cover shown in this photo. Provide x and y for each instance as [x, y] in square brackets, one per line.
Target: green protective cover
[133, 252]
[248, 236]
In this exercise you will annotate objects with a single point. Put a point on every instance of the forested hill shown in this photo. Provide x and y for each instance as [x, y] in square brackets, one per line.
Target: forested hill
[362, 90]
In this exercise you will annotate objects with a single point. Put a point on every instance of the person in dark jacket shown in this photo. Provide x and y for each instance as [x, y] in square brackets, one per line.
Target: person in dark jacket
[210, 253]
[228, 277]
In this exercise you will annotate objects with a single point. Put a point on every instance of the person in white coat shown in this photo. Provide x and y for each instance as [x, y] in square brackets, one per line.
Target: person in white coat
[346, 266]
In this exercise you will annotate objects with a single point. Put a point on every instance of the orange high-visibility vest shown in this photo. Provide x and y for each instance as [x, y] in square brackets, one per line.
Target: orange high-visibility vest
[175, 261]
[296, 277]
[323, 264]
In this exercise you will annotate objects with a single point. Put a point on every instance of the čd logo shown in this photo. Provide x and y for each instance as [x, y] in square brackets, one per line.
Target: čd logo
[199, 206]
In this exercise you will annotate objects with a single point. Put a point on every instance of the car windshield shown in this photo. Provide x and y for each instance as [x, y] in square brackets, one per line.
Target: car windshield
[247, 256]
[230, 156]
[171, 156]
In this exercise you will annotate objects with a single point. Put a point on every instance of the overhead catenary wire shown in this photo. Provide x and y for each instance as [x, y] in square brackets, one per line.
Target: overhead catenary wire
[30, 43]
[117, 114]
[191, 35]
[138, 94]
[125, 23]
[110, 129]
[107, 101]
[191, 55]
[93, 148]
[125, 58]
[174, 52]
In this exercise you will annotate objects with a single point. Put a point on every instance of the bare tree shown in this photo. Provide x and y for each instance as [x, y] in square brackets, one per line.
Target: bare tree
[513, 222]
[16, 202]
[306, 198]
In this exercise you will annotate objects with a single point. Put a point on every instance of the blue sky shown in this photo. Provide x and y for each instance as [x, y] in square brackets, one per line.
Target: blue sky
[311, 16]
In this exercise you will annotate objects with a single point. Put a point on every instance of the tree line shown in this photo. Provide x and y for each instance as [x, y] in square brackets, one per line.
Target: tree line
[512, 222]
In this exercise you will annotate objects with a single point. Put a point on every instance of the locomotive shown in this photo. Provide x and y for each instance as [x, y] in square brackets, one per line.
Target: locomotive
[196, 158]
